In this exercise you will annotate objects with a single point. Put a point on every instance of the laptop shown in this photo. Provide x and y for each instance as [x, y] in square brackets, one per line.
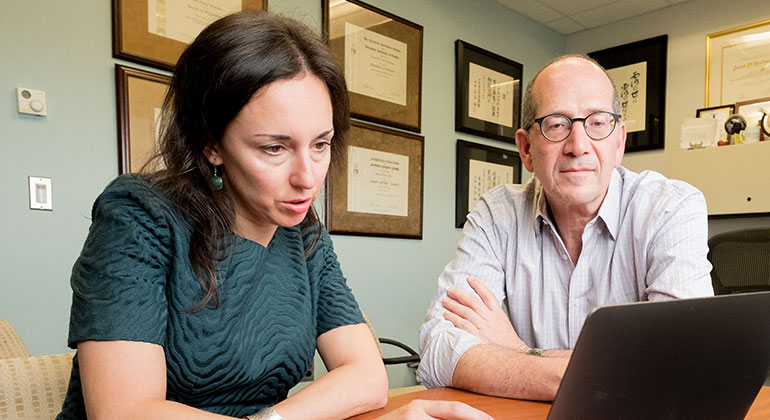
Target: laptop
[703, 358]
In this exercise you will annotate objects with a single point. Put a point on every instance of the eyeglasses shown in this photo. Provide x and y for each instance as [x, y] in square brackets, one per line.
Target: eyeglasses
[598, 125]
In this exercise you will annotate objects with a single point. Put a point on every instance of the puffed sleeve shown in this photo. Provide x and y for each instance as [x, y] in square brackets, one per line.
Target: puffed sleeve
[118, 282]
[336, 304]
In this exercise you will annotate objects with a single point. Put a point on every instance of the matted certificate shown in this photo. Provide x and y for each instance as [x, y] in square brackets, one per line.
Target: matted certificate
[375, 65]
[745, 71]
[490, 96]
[378, 182]
[738, 64]
[183, 20]
[631, 84]
[483, 176]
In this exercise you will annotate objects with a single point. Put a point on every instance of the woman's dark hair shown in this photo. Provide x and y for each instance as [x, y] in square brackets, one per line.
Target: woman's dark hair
[213, 80]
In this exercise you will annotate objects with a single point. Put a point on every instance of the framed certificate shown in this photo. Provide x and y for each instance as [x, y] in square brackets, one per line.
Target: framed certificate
[140, 96]
[156, 32]
[737, 64]
[376, 187]
[479, 169]
[487, 93]
[638, 71]
[382, 57]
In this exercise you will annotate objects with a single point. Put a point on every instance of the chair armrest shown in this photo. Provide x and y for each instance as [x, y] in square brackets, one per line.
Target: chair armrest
[412, 358]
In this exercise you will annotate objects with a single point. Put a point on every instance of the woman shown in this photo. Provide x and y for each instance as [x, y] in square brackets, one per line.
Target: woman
[205, 287]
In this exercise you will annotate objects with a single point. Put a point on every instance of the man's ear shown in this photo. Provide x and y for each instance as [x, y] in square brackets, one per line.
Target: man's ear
[522, 142]
[621, 144]
[211, 151]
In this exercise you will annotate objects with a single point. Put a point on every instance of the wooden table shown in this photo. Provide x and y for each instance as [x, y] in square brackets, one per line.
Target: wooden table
[504, 408]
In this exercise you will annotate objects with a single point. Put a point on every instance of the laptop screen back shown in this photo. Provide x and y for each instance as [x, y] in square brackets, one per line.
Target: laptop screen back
[700, 358]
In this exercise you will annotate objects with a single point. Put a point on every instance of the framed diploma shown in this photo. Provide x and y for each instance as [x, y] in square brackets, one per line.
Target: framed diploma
[375, 188]
[738, 64]
[719, 112]
[140, 96]
[479, 169]
[382, 57]
[156, 32]
[638, 71]
[487, 93]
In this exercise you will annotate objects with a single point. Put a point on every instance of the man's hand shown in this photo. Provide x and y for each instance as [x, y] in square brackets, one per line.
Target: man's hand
[483, 317]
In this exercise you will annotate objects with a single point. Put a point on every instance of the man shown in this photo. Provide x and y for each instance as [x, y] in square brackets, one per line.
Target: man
[583, 232]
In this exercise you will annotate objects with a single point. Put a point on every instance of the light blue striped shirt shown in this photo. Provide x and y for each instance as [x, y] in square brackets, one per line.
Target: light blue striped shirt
[648, 242]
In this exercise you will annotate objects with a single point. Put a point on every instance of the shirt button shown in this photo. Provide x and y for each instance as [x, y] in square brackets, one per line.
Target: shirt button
[564, 257]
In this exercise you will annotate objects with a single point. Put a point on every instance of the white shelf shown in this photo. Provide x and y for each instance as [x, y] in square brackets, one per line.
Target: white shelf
[735, 179]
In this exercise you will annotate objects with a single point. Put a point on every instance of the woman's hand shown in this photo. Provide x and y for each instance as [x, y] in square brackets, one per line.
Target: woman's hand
[442, 410]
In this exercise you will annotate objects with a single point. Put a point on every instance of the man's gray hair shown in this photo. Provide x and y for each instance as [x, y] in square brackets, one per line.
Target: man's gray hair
[529, 107]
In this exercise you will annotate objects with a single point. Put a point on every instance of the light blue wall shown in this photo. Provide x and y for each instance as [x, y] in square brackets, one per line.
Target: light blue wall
[64, 48]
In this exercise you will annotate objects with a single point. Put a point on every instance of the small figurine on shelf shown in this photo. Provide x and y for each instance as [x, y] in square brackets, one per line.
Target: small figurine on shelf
[734, 126]
[764, 124]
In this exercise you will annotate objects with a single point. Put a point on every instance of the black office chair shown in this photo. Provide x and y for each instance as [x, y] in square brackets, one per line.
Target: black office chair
[411, 361]
[741, 261]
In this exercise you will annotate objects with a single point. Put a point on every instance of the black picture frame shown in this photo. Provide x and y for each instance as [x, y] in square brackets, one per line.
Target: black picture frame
[466, 54]
[467, 151]
[653, 51]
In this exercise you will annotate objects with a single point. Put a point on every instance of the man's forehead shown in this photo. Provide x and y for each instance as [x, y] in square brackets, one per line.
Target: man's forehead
[569, 69]
[575, 75]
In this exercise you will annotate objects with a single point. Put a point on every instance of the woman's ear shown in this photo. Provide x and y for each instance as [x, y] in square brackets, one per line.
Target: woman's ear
[212, 154]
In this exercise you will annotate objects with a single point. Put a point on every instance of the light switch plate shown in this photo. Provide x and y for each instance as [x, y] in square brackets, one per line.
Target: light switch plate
[40, 195]
[31, 101]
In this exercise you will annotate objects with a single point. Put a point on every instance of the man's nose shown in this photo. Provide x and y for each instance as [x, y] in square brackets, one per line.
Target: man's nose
[577, 142]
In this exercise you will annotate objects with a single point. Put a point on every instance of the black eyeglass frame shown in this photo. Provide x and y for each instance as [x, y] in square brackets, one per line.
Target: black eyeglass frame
[615, 118]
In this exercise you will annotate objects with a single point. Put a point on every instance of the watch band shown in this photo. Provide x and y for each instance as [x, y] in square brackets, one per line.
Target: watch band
[535, 352]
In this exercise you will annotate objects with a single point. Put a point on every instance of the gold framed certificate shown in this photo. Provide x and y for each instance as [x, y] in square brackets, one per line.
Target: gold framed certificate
[156, 32]
[738, 64]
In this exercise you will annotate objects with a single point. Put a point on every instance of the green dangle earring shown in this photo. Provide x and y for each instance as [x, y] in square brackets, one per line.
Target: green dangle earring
[216, 180]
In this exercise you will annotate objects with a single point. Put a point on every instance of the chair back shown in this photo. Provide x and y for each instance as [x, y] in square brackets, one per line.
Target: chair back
[10, 343]
[33, 388]
[741, 261]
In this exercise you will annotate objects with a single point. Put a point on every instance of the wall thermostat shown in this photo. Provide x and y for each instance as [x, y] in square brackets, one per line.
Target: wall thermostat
[31, 102]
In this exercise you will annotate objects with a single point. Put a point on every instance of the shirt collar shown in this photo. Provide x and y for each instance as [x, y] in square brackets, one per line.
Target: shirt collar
[608, 211]
[610, 208]
[540, 215]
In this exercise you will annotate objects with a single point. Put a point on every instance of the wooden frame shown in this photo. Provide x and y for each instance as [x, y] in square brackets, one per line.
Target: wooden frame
[740, 50]
[651, 55]
[485, 177]
[490, 104]
[384, 81]
[750, 109]
[140, 96]
[133, 40]
[375, 188]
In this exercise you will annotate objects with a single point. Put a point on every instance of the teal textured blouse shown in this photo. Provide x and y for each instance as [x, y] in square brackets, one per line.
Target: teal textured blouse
[133, 281]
